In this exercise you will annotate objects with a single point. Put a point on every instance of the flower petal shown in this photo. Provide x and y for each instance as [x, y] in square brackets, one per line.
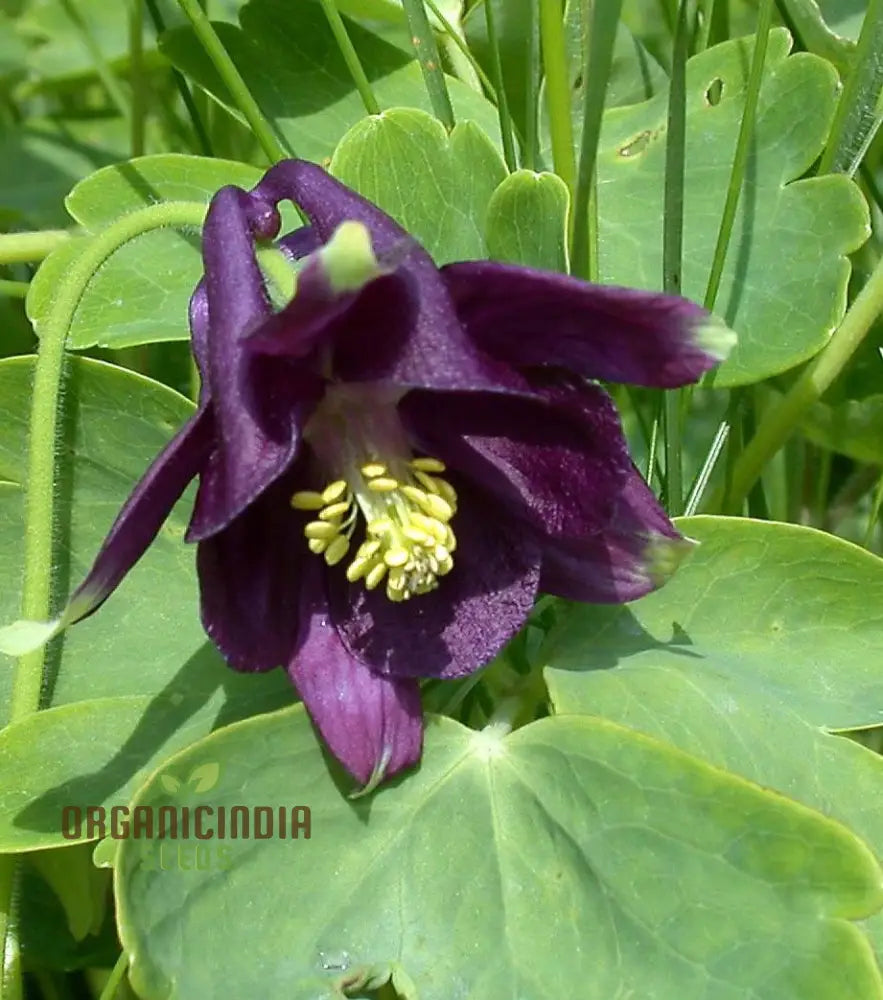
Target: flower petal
[463, 624]
[558, 460]
[437, 353]
[257, 426]
[372, 724]
[637, 552]
[339, 307]
[142, 515]
[249, 581]
[528, 317]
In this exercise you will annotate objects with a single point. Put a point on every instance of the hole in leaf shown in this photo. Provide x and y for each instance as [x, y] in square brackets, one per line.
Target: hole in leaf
[636, 146]
[578, 82]
[714, 92]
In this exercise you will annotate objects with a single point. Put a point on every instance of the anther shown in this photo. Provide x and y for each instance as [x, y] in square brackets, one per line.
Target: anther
[337, 550]
[321, 530]
[372, 469]
[427, 464]
[307, 500]
[334, 510]
[334, 491]
[383, 484]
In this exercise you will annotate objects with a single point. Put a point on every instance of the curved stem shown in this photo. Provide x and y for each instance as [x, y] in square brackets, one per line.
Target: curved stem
[39, 507]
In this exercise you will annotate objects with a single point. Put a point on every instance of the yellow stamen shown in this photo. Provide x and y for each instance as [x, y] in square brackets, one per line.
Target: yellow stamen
[307, 500]
[427, 464]
[408, 540]
[334, 491]
[337, 550]
[383, 484]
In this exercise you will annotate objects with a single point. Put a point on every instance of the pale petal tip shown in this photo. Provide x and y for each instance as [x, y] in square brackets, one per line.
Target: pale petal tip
[377, 775]
[348, 258]
[23, 636]
[663, 555]
[715, 338]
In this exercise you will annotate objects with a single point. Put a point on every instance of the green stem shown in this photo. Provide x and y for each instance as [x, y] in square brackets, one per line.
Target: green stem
[430, 63]
[115, 978]
[596, 72]
[23, 248]
[874, 515]
[14, 289]
[855, 119]
[204, 30]
[531, 155]
[136, 76]
[39, 506]
[350, 56]
[743, 145]
[707, 9]
[454, 36]
[502, 101]
[558, 92]
[673, 244]
[105, 74]
[205, 145]
[780, 421]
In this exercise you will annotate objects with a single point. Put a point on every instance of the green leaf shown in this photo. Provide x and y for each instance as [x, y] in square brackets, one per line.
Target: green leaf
[141, 292]
[147, 641]
[406, 163]
[294, 70]
[589, 860]
[527, 221]
[81, 888]
[784, 282]
[827, 27]
[767, 637]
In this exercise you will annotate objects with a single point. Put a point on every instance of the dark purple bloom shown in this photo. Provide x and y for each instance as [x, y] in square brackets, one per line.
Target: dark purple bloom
[395, 462]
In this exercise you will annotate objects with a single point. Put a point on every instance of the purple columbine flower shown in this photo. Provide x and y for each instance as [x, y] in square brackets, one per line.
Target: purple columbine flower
[395, 462]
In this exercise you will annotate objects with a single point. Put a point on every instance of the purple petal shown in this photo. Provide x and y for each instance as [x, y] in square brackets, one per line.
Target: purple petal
[257, 424]
[527, 317]
[636, 553]
[559, 460]
[437, 353]
[143, 514]
[463, 624]
[319, 320]
[373, 725]
[249, 581]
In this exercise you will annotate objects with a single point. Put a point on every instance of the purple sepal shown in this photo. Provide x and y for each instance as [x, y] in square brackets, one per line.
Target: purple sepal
[526, 317]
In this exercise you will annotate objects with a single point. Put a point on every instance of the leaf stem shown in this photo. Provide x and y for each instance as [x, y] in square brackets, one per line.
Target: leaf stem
[558, 92]
[115, 977]
[14, 289]
[350, 56]
[530, 153]
[23, 248]
[454, 36]
[779, 421]
[430, 64]
[502, 101]
[136, 76]
[202, 138]
[673, 244]
[204, 30]
[740, 158]
[596, 73]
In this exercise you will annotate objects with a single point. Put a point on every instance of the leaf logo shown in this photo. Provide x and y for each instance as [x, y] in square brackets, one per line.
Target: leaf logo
[201, 779]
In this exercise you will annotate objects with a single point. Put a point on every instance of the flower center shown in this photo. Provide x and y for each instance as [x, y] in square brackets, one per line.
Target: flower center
[407, 508]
